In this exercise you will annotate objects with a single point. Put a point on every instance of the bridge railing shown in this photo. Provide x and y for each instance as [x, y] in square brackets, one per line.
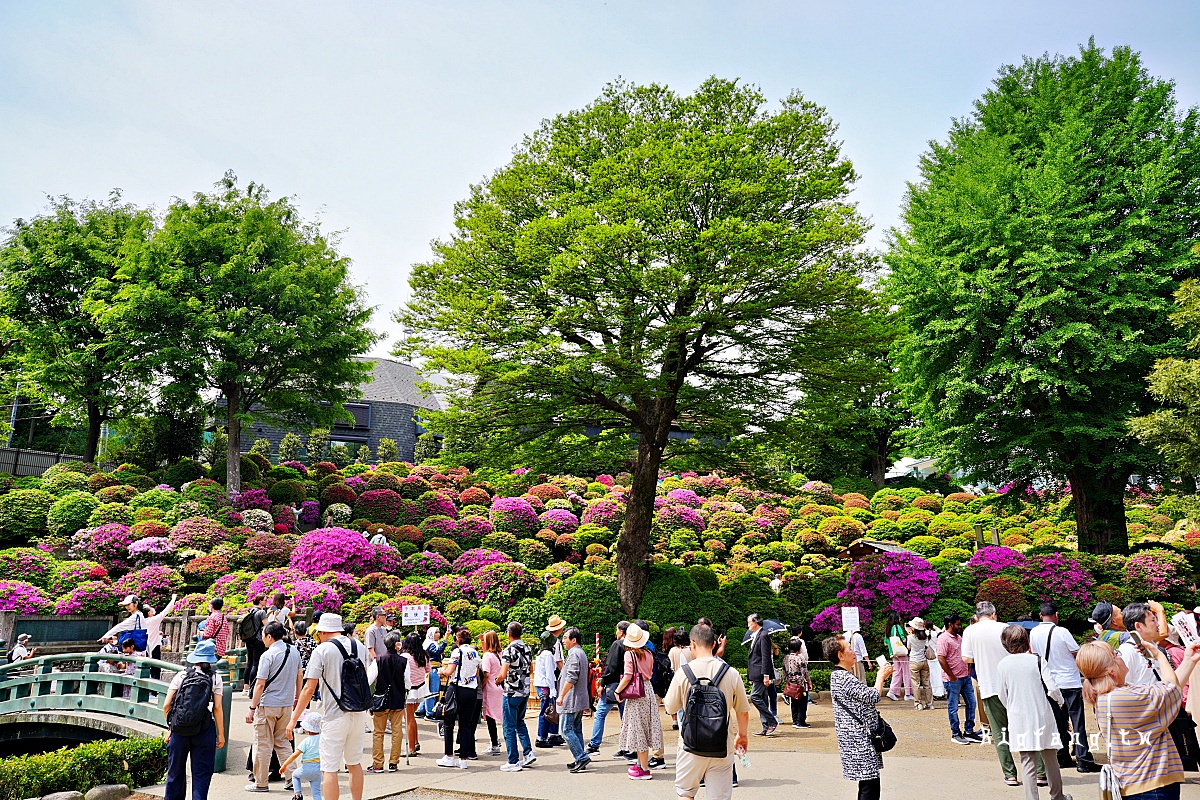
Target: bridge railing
[75, 682]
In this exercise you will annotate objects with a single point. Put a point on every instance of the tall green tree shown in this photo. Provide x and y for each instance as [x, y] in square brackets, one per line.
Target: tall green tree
[654, 261]
[254, 302]
[1035, 269]
[53, 268]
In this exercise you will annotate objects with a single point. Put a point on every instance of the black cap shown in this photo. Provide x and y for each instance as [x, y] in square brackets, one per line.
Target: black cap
[1102, 614]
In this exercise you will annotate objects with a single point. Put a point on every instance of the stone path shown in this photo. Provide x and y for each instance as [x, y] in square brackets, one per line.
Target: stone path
[795, 763]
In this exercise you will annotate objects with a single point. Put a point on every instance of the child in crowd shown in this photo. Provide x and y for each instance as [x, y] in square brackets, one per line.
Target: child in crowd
[309, 753]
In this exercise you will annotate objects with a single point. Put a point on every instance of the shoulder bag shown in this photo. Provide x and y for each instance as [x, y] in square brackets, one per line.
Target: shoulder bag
[883, 738]
[446, 706]
[636, 687]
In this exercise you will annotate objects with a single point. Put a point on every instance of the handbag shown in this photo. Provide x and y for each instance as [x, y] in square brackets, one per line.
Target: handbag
[1110, 787]
[550, 710]
[793, 690]
[140, 636]
[446, 706]
[635, 689]
[883, 738]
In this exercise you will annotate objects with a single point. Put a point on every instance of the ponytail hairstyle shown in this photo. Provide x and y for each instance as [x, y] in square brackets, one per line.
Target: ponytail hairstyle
[1097, 663]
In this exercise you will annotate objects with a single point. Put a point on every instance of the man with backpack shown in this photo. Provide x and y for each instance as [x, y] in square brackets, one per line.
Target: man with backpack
[714, 718]
[275, 692]
[250, 631]
[339, 667]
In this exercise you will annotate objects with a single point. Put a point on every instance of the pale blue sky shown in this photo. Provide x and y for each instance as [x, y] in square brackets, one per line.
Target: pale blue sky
[377, 116]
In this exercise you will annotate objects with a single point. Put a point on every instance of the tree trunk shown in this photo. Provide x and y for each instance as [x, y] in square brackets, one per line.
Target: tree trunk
[1099, 511]
[633, 547]
[879, 467]
[95, 424]
[233, 447]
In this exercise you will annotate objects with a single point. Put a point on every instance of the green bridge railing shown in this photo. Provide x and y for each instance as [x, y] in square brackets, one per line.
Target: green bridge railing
[59, 683]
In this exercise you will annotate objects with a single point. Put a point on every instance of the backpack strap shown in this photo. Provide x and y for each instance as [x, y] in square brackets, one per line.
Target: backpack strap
[720, 676]
[345, 657]
[691, 676]
[287, 654]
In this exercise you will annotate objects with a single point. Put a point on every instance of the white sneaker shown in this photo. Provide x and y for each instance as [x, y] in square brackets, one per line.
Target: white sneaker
[511, 767]
[494, 750]
[529, 759]
[460, 763]
[447, 761]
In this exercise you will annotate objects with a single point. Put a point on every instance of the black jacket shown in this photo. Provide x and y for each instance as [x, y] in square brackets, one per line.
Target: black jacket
[614, 664]
[391, 680]
[759, 662]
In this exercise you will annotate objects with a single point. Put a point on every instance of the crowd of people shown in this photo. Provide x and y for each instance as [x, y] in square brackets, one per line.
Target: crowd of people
[1023, 687]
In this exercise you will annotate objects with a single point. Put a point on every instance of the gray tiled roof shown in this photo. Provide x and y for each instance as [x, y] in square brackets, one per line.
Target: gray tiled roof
[396, 382]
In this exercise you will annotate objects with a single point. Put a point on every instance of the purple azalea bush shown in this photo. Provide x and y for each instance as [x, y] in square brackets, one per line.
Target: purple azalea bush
[901, 582]
[559, 520]
[685, 497]
[990, 561]
[270, 581]
[472, 561]
[107, 545]
[198, 533]
[93, 597]
[340, 549]
[24, 598]
[153, 584]
[605, 513]
[320, 596]
[253, 499]
[671, 518]
[514, 515]
[830, 619]
[310, 512]
[1059, 578]
[1156, 573]
[151, 550]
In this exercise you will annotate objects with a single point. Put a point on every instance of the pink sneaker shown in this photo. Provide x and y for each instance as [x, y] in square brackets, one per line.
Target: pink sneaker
[636, 773]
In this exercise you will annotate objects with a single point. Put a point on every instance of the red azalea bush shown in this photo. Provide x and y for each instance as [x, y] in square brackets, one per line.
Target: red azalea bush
[378, 505]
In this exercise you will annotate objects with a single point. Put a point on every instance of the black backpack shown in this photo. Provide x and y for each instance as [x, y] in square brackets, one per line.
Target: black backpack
[704, 722]
[356, 689]
[191, 710]
[663, 673]
[251, 625]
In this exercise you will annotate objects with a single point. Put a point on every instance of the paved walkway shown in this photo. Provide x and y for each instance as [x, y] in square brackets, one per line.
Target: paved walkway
[795, 763]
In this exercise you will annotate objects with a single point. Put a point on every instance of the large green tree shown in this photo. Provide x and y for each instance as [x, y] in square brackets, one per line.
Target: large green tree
[52, 268]
[1034, 270]
[252, 301]
[652, 262]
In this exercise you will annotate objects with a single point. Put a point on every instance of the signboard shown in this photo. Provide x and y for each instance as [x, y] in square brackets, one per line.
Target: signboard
[417, 615]
[850, 618]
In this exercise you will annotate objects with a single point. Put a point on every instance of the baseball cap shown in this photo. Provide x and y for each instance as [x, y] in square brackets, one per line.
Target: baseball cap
[1102, 613]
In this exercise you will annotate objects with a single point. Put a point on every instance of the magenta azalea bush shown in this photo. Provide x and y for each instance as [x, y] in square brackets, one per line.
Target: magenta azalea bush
[1059, 578]
[685, 497]
[503, 585]
[233, 583]
[107, 545]
[153, 584]
[472, 529]
[253, 498]
[1156, 574]
[605, 513]
[472, 561]
[829, 620]
[559, 520]
[514, 515]
[91, 598]
[903, 583]
[24, 598]
[26, 564]
[990, 561]
[671, 518]
[319, 596]
[339, 549]
[198, 533]
[310, 512]
[270, 581]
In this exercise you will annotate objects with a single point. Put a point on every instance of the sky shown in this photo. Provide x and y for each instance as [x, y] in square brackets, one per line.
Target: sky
[377, 117]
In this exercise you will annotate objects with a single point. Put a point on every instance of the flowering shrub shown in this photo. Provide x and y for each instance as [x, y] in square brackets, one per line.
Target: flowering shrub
[472, 561]
[514, 515]
[427, 564]
[24, 598]
[198, 533]
[606, 513]
[559, 520]
[378, 505]
[116, 494]
[258, 520]
[534, 554]
[26, 564]
[842, 530]
[346, 584]
[1061, 579]
[670, 518]
[990, 561]
[547, 491]
[437, 504]
[23, 513]
[1156, 574]
[310, 512]
[233, 583]
[207, 493]
[504, 584]
[265, 551]
[341, 549]
[88, 598]
[153, 584]
[253, 499]
[340, 493]
[901, 582]
[270, 581]
[396, 606]
[204, 570]
[69, 574]
[107, 545]
[439, 527]
[151, 550]
[829, 620]
[321, 597]
[474, 496]
[685, 497]
[1006, 595]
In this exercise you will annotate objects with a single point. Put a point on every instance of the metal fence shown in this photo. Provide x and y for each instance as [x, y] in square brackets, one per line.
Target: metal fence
[16, 461]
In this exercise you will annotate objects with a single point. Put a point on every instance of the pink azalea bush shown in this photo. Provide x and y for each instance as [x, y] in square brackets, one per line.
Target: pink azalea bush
[559, 520]
[605, 513]
[253, 498]
[26, 564]
[198, 533]
[153, 584]
[107, 545]
[91, 598]
[427, 564]
[1059, 578]
[472, 561]
[151, 550]
[1156, 574]
[990, 561]
[24, 598]
[829, 620]
[342, 549]
[901, 582]
[514, 515]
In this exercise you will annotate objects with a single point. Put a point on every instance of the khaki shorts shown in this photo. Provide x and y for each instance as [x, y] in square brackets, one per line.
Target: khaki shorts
[717, 774]
[342, 741]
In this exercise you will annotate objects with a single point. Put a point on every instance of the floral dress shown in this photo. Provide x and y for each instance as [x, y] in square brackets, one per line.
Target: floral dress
[641, 729]
[853, 711]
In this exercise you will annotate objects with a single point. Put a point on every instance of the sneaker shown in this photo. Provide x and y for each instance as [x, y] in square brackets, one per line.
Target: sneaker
[593, 748]
[542, 743]
[528, 759]
[621, 755]
[770, 731]
[910, 698]
[254, 787]
[891, 697]
[1041, 781]
[1087, 766]
[579, 766]
[636, 773]
[658, 763]
[801, 725]
[393, 767]
[297, 796]
[447, 761]
[974, 736]
[735, 781]
[1012, 781]
[494, 750]
[374, 770]
[510, 767]
[763, 732]
[961, 740]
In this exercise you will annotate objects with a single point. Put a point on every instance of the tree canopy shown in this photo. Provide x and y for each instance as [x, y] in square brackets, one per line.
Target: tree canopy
[1034, 270]
[654, 262]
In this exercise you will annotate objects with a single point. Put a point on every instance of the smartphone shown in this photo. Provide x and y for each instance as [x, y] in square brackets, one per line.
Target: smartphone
[1136, 638]
[881, 661]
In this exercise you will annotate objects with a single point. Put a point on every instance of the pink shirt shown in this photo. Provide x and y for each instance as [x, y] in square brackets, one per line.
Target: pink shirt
[216, 627]
[645, 663]
[493, 695]
[949, 647]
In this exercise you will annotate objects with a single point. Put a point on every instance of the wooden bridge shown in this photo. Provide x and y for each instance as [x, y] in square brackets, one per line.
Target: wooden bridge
[70, 691]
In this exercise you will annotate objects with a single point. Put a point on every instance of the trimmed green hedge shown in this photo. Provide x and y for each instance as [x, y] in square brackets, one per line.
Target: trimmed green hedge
[135, 762]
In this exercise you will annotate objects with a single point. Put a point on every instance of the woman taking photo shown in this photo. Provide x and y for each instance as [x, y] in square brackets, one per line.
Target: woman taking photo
[461, 674]
[641, 729]
[1146, 766]
[545, 683]
[418, 671]
[854, 716]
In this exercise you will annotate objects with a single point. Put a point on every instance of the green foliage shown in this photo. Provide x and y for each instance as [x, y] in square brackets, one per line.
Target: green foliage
[185, 471]
[427, 447]
[704, 578]
[317, 448]
[261, 447]
[290, 447]
[134, 762]
[288, 492]
[588, 602]
[605, 300]
[23, 514]
[249, 470]
[937, 611]
[749, 594]
[1006, 594]
[69, 513]
[530, 613]
[1034, 270]
[670, 596]
[387, 451]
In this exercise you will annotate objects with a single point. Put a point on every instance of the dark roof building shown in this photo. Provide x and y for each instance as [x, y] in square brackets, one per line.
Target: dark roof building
[389, 409]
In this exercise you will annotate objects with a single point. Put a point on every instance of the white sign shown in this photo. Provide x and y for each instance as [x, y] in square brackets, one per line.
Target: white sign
[850, 618]
[417, 615]
[1185, 624]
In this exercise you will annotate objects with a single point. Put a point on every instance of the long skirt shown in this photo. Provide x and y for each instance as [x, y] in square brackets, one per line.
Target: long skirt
[641, 729]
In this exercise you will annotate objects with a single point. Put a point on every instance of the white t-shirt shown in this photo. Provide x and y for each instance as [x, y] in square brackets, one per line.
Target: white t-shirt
[466, 671]
[1061, 657]
[325, 666]
[860, 646]
[543, 675]
[1140, 672]
[177, 681]
[19, 652]
[981, 643]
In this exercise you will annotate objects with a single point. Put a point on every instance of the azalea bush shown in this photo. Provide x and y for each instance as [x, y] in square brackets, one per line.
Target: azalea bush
[27, 564]
[903, 583]
[514, 515]
[91, 598]
[24, 598]
[326, 549]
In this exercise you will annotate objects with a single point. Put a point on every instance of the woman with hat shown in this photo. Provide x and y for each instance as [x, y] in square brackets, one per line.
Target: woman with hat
[920, 650]
[201, 747]
[557, 625]
[641, 729]
[143, 619]
[545, 684]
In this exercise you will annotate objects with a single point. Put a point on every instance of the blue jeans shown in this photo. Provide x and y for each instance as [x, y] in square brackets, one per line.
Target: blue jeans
[602, 709]
[515, 728]
[308, 772]
[435, 686]
[1161, 793]
[572, 731]
[545, 729]
[955, 689]
[202, 747]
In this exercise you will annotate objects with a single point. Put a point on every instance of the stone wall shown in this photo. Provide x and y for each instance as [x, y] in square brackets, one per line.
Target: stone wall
[388, 421]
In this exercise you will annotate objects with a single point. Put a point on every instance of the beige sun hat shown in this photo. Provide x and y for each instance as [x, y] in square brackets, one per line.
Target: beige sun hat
[330, 623]
[555, 623]
[917, 624]
[635, 637]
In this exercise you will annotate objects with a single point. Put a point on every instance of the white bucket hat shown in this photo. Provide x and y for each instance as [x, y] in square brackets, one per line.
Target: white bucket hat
[330, 623]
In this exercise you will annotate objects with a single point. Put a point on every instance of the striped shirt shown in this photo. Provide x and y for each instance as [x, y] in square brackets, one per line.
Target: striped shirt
[1141, 750]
